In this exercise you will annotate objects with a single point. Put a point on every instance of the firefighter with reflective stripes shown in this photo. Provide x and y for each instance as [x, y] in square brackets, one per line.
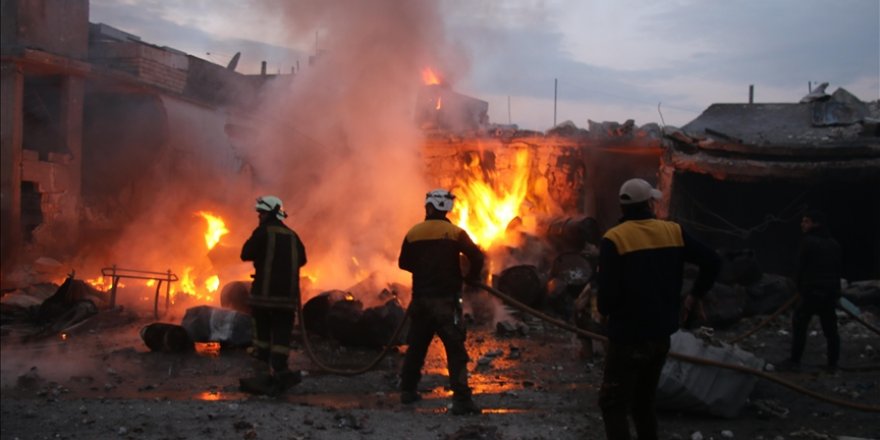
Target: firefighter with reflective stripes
[277, 254]
[432, 252]
[641, 263]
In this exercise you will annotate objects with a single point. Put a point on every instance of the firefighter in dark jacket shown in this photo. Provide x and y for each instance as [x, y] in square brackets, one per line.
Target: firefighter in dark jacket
[817, 277]
[431, 252]
[641, 264]
[277, 253]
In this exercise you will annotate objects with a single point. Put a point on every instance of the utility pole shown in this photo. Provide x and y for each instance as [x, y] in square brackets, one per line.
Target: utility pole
[751, 93]
[555, 88]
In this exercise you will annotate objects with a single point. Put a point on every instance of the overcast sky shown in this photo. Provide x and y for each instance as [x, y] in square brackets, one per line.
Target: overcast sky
[612, 60]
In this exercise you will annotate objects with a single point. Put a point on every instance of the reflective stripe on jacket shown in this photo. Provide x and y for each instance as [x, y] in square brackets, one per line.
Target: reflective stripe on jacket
[277, 253]
[431, 252]
[641, 263]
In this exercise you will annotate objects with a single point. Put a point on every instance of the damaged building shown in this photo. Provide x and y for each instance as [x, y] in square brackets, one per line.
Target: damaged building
[742, 174]
[92, 116]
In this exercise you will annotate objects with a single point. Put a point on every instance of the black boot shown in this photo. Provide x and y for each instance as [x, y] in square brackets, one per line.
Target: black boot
[260, 384]
[465, 407]
[283, 381]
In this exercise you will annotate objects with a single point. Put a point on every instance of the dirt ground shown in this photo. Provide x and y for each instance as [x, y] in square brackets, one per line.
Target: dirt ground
[102, 382]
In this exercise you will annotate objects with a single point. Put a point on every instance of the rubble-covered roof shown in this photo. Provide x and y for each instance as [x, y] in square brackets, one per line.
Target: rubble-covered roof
[839, 124]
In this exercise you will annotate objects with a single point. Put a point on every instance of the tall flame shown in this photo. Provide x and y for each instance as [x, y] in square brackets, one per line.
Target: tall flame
[429, 77]
[216, 229]
[485, 206]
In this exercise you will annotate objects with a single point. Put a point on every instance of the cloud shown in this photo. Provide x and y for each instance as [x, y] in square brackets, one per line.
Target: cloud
[205, 31]
[626, 54]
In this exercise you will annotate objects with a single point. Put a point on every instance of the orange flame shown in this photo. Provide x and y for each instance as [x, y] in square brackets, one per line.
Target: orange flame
[97, 283]
[485, 208]
[212, 283]
[429, 77]
[216, 229]
[100, 284]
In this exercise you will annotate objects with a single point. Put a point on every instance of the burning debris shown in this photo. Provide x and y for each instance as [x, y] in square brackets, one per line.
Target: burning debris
[172, 145]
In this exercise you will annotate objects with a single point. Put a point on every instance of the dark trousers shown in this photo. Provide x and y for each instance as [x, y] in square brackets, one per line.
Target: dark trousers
[629, 386]
[272, 329]
[441, 317]
[800, 323]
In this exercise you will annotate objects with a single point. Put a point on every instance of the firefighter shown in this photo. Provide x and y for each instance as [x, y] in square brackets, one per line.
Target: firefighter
[641, 262]
[431, 251]
[277, 254]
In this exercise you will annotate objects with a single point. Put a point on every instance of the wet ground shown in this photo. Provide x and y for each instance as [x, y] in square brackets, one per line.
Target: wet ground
[103, 382]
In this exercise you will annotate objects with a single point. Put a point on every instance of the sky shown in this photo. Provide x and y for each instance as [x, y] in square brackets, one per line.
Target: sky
[603, 60]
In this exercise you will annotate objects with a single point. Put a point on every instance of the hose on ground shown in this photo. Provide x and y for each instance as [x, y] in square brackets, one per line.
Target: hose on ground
[860, 320]
[340, 371]
[764, 323]
[791, 302]
[692, 359]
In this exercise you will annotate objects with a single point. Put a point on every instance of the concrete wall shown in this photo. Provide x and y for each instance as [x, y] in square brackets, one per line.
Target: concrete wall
[60, 27]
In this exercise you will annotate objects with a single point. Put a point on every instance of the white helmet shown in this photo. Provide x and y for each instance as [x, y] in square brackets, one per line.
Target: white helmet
[271, 204]
[637, 191]
[441, 199]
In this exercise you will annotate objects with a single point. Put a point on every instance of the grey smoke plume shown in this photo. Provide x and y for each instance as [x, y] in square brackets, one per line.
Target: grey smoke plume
[339, 143]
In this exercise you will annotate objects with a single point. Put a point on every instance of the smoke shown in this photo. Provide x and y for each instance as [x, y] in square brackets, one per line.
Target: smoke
[339, 143]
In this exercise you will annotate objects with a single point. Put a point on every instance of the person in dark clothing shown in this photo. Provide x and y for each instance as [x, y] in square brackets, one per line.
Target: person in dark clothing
[641, 264]
[817, 278]
[277, 254]
[431, 251]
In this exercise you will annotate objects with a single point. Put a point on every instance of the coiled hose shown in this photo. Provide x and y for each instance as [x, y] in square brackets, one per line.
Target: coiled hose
[694, 360]
[345, 372]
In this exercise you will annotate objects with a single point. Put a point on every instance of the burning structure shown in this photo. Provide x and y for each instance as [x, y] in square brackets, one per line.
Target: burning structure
[117, 151]
[96, 123]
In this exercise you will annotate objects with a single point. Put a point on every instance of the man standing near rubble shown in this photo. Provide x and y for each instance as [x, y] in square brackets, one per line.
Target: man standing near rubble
[817, 276]
[277, 253]
[641, 264]
[431, 251]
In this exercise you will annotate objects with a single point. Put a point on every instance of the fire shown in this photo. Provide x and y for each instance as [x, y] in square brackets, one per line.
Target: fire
[195, 282]
[100, 284]
[439, 103]
[212, 283]
[485, 205]
[216, 229]
[187, 285]
[97, 283]
[429, 77]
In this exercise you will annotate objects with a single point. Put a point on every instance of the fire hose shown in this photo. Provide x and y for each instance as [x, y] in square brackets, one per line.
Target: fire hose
[785, 307]
[344, 372]
[769, 319]
[564, 325]
[694, 360]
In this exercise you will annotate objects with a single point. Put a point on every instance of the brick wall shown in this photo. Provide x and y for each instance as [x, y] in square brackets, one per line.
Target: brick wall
[555, 165]
[152, 65]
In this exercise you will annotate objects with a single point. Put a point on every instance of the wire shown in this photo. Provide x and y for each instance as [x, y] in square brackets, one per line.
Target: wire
[738, 231]
[621, 97]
